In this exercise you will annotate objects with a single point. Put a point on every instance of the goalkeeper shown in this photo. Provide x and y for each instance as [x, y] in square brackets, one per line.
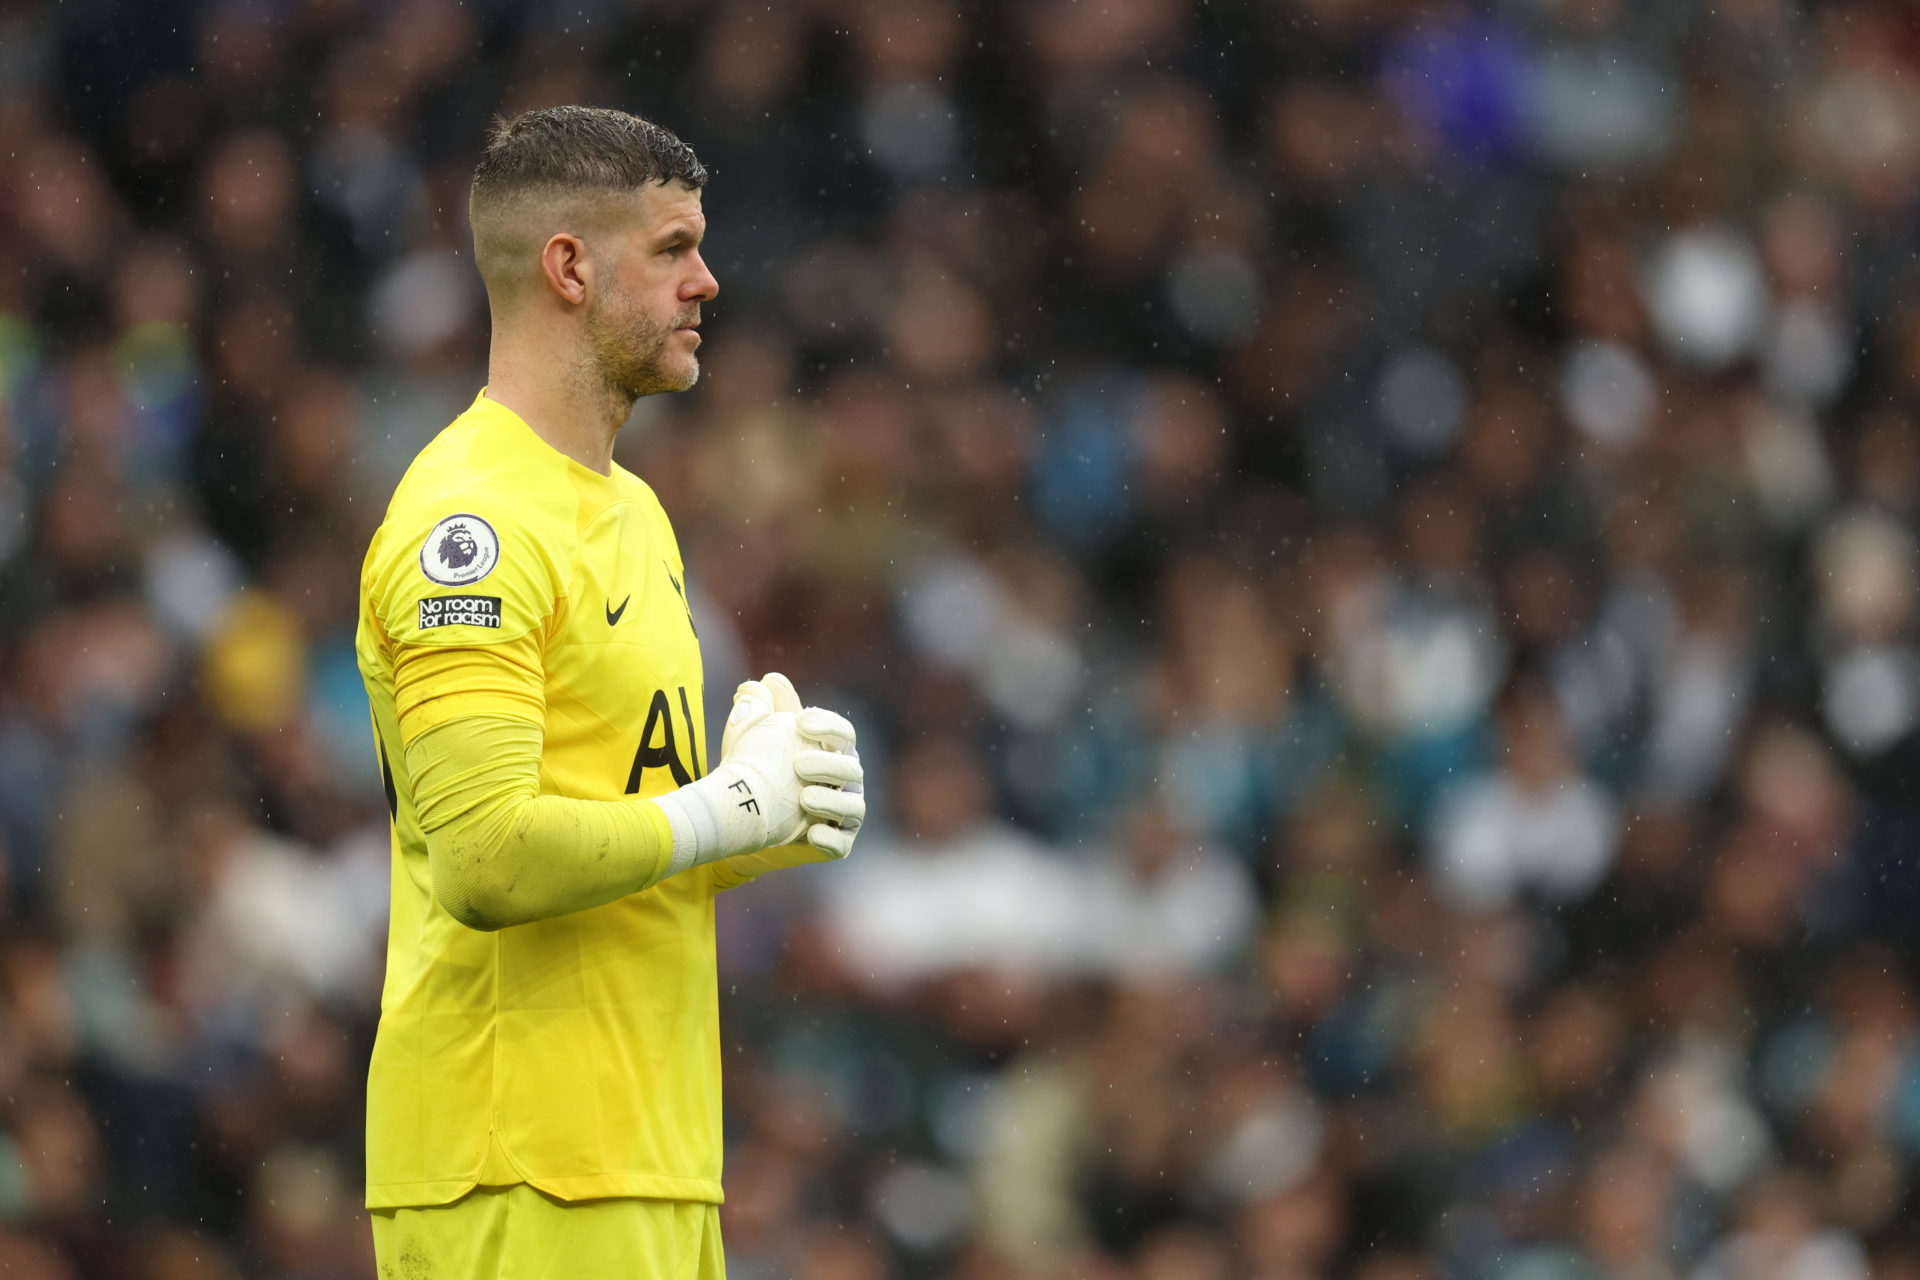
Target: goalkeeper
[544, 1095]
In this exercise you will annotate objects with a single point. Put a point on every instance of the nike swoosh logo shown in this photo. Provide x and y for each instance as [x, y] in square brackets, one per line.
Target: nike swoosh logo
[613, 614]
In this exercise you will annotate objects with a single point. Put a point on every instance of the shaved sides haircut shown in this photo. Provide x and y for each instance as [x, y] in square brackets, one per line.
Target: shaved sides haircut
[563, 169]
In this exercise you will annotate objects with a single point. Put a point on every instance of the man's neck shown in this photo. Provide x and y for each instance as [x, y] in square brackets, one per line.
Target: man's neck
[570, 409]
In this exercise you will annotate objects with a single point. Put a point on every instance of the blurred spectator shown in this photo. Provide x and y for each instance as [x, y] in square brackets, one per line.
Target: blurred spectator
[1536, 826]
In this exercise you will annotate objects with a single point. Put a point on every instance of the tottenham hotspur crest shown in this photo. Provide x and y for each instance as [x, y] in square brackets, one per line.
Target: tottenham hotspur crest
[461, 549]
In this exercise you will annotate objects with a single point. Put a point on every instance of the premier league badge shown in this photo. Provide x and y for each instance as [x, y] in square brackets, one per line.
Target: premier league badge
[461, 549]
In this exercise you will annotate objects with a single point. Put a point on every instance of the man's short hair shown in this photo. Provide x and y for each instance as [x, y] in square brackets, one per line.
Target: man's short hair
[582, 149]
[562, 161]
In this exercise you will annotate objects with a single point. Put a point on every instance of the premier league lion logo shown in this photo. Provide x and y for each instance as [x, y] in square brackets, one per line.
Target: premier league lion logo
[460, 549]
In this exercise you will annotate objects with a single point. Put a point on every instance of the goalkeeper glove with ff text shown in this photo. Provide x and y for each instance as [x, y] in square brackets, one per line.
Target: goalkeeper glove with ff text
[775, 783]
[835, 798]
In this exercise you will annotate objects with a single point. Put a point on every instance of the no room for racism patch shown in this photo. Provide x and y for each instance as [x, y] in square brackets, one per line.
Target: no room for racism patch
[459, 611]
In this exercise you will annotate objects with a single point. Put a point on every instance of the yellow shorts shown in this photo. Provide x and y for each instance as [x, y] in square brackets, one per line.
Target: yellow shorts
[517, 1233]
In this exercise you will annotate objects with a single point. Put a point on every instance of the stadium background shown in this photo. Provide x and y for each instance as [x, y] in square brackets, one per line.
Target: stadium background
[1371, 542]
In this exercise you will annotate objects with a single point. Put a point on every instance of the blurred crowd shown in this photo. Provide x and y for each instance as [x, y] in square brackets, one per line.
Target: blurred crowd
[1372, 545]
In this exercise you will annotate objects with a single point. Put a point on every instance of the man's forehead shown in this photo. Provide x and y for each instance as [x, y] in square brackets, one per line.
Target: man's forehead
[658, 205]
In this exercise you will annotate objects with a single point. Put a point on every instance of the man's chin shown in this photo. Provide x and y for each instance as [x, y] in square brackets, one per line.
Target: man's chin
[679, 377]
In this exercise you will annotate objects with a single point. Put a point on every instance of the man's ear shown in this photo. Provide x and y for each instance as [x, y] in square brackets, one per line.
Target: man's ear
[563, 263]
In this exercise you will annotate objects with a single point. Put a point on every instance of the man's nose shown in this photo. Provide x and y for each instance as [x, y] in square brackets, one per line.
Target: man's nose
[700, 286]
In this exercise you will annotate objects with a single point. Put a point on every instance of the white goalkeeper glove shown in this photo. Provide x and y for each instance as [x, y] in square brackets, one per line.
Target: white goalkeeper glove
[766, 789]
[835, 798]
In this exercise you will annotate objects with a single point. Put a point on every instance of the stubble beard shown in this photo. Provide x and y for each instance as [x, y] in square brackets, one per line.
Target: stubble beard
[630, 352]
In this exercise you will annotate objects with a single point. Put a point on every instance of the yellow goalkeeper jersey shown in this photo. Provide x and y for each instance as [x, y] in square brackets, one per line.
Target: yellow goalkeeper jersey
[579, 1054]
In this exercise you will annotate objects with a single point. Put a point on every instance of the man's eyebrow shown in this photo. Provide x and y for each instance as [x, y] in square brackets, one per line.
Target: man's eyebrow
[684, 234]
